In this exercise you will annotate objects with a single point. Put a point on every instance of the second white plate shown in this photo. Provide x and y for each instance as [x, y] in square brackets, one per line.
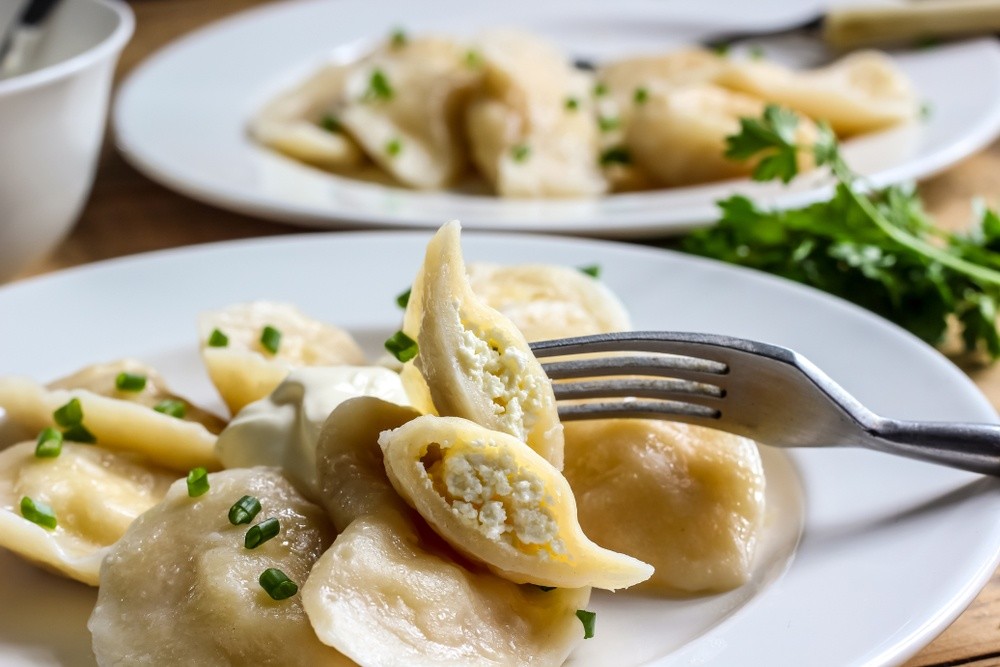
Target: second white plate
[181, 116]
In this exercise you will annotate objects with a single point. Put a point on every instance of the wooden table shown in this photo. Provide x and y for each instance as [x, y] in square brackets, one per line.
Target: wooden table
[127, 213]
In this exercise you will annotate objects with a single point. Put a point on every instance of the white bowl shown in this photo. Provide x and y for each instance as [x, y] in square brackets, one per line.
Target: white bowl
[52, 121]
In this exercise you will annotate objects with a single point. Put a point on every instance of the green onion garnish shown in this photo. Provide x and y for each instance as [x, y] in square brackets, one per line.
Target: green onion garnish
[171, 407]
[608, 123]
[126, 381]
[572, 104]
[473, 58]
[244, 510]
[79, 433]
[398, 38]
[270, 339]
[756, 52]
[600, 89]
[217, 339]
[721, 49]
[70, 414]
[38, 512]
[261, 533]
[197, 481]
[588, 618]
[640, 96]
[331, 124]
[520, 152]
[404, 298]
[393, 147]
[615, 155]
[593, 270]
[401, 346]
[546, 589]
[49, 444]
[277, 584]
[378, 87]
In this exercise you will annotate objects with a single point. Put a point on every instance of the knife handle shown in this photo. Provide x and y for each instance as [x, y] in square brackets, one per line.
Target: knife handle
[853, 27]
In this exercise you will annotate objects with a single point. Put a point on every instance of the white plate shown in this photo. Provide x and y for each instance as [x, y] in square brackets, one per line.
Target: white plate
[892, 550]
[181, 116]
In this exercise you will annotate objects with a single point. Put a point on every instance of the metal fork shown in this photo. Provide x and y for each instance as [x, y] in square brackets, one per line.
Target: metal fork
[762, 391]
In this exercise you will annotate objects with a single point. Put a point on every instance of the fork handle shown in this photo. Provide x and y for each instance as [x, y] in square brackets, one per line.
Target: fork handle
[972, 447]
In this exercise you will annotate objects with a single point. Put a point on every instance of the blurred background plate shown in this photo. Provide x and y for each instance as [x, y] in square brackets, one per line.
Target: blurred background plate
[181, 115]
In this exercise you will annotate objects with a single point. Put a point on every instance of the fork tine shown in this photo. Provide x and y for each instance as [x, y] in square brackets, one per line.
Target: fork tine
[675, 410]
[664, 389]
[672, 365]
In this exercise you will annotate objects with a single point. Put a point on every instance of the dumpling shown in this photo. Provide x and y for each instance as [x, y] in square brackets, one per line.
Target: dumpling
[475, 362]
[180, 587]
[151, 423]
[302, 124]
[403, 105]
[686, 499]
[679, 138]
[94, 496]
[282, 429]
[494, 499]
[389, 591]
[546, 301]
[663, 71]
[244, 369]
[531, 131]
[861, 92]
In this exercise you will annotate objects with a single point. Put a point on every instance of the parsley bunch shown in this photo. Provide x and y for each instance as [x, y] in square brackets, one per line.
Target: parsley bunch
[879, 250]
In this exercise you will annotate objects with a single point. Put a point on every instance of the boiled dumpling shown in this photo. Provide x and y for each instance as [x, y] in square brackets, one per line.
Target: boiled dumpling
[389, 591]
[492, 498]
[180, 588]
[679, 138]
[403, 105]
[688, 500]
[282, 429]
[861, 92]
[94, 496]
[244, 369]
[530, 131]
[302, 124]
[134, 422]
[546, 301]
[475, 362]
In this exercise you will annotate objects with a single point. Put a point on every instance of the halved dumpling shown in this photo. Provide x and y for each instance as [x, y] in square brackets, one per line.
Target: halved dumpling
[283, 428]
[181, 588]
[302, 122]
[122, 421]
[244, 370]
[475, 362]
[861, 92]
[686, 499]
[546, 301]
[384, 595]
[679, 137]
[94, 495]
[494, 499]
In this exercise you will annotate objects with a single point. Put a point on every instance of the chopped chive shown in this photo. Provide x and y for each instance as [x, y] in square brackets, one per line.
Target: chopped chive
[277, 584]
[70, 414]
[473, 58]
[640, 96]
[197, 482]
[49, 443]
[615, 155]
[38, 512]
[398, 38]
[126, 381]
[404, 298]
[171, 407]
[401, 346]
[593, 270]
[756, 52]
[330, 123]
[721, 49]
[546, 589]
[217, 339]
[244, 510]
[588, 618]
[600, 89]
[572, 104]
[261, 533]
[79, 433]
[270, 339]
[520, 153]
[393, 147]
[378, 87]
[925, 110]
[608, 123]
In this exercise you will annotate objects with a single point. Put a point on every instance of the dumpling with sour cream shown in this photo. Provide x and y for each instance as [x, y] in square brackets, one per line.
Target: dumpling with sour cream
[181, 588]
[443, 612]
[150, 422]
[258, 343]
[90, 496]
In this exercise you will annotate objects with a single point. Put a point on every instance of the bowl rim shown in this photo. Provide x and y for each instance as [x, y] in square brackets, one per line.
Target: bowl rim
[107, 47]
